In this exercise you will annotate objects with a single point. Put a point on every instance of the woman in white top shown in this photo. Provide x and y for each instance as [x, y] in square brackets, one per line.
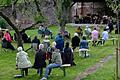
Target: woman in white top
[105, 36]
[22, 61]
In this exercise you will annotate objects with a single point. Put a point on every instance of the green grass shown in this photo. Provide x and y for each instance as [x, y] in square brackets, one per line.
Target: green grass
[7, 62]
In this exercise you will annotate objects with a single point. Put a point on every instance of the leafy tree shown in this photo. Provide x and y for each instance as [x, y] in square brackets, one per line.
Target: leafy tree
[12, 3]
[115, 6]
[65, 12]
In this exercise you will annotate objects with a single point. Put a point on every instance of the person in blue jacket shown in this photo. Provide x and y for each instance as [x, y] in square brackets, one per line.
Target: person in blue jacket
[59, 42]
[84, 43]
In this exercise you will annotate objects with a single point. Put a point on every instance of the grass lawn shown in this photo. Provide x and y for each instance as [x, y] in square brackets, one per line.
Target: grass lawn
[7, 62]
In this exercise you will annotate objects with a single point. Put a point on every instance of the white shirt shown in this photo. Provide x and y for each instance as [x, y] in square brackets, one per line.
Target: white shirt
[105, 35]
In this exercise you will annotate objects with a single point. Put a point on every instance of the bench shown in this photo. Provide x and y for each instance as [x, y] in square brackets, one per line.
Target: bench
[113, 40]
[84, 51]
[63, 68]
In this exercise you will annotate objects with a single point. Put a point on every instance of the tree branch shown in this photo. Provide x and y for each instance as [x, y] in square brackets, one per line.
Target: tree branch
[31, 26]
[15, 2]
[72, 4]
[36, 3]
[9, 21]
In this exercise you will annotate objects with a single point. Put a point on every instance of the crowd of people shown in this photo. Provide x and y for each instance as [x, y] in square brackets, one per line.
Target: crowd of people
[59, 51]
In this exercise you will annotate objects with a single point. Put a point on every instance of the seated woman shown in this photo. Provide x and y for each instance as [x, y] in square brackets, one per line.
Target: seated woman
[79, 31]
[25, 37]
[6, 44]
[66, 34]
[88, 31]
[22, 61]
[67, 55]
[84, 45]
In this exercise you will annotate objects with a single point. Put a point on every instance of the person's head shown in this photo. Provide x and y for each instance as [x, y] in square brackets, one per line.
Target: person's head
[75, 34]
[87, 26]
[67, 45]
[35, 37]
[20, 48]
[41, 46]
[46, 37]
[84, 38]
[54, 44]
[94, 28]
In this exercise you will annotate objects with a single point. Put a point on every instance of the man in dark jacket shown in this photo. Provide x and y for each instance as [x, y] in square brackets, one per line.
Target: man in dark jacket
[59, 42]
[75, 41]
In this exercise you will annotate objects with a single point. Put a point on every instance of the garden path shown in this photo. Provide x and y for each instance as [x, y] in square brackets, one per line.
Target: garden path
[94, 68]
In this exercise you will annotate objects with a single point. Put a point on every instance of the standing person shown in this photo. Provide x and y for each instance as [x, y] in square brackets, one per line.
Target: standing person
[40, 58]
[95, 35]
[75, 41]
[110, 24]
[67, 56]
[105, 36]
[35, 42]
[56, 62]
[22, 61]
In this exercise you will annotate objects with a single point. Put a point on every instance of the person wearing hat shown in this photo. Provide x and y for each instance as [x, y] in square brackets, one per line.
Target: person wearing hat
[75, 41]
[22, 61]
[40, 58]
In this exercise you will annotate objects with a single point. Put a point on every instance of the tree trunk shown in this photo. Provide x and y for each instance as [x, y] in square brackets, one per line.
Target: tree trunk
[19, 43]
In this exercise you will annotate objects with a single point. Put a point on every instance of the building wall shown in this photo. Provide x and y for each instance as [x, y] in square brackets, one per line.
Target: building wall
[88, 8]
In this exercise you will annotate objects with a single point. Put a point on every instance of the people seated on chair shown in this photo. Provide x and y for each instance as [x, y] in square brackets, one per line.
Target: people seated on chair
[56, 62]
[67, 55]
[6, 44]
[105, 36]
[50, 50]
[87, 31]
[79, 31]
[75, 41]
[59, 42]
[25, 37]
[95, 36]
[40, 58]
[42, 30]
[45, 31]
[84, 45]
[46, 43]
[7, 36]
[22, 61]
[66, 34]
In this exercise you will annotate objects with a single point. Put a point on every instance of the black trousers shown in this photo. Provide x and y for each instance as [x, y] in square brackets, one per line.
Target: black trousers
[24, 71]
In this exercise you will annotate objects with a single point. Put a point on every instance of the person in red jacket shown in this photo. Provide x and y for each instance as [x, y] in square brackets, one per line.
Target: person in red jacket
[7, 36]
